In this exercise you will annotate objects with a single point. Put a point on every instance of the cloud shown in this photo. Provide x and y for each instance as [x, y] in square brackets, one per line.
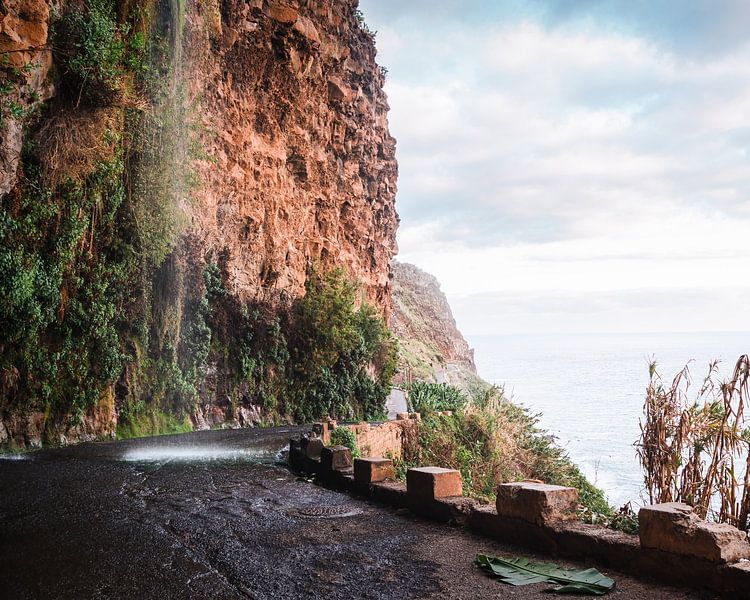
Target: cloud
[570, 146]
[611, 312]
[693, 27]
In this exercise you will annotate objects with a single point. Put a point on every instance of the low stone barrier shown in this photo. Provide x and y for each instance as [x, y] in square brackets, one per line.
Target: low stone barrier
[673, 527]
[373, 439]
[674, 546]
[373, 470]
[538, 503]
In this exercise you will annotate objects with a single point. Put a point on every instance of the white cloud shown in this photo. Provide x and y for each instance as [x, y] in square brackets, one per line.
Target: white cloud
[574, 159]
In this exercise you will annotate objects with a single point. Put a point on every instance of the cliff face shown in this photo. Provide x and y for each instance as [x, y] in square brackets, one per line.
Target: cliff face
[431, 346]
[284, 145]
[296, 163]
[303, 168]
[23, 30]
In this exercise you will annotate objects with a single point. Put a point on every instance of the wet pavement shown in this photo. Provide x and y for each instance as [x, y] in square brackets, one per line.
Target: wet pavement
[209, 515]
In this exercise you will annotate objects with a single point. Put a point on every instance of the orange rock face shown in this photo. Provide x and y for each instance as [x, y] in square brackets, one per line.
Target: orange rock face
[23, 39]
[301, 166]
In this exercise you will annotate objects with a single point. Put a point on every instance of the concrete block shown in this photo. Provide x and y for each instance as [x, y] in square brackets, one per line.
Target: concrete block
[390, 492]
[298, 459]
[371, 470]
[429, 483]
[674, 527]
[312, 447]
[335, 458]
[537, 503]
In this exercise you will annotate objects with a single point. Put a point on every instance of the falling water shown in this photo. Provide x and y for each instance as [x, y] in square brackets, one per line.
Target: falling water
[195, 453]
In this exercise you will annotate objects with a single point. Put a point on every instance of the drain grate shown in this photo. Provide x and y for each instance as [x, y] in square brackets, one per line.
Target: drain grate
[326, 512]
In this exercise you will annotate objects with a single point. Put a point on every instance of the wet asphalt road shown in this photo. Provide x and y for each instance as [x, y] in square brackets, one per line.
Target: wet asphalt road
[209, 515]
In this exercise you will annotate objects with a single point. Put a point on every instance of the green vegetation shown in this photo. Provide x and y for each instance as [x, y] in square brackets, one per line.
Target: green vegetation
[332, 346]
[18, 101]
[152, 423]
[341, 436]
[521, 571]
[63, 272]
[491, 441]
[360, 18]
[99, 56]
[103, 298]
[427, 398]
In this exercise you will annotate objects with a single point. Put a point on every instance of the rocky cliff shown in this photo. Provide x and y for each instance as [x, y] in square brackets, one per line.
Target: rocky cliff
[296, 164]
[301, 165]
[170, 173]
[431, 348]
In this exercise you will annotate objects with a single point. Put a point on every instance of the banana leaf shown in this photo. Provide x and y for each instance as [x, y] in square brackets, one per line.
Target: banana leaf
[521, 571]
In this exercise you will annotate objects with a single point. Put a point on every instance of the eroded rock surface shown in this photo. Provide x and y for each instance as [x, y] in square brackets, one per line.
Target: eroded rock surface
[300, 166]
[293, 162]
[23, 39]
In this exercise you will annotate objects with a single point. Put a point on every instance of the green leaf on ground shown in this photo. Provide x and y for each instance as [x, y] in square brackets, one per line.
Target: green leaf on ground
[521, 571]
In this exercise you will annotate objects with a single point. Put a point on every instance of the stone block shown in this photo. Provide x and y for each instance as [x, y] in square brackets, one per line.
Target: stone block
[674, 527]
[372, 470]
[312, 447]
[335, 458]
[390, 492]
[429, 483]
[537, 503]
[298, 459]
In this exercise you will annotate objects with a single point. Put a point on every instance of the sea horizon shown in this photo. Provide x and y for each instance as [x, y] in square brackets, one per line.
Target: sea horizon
[588, 389]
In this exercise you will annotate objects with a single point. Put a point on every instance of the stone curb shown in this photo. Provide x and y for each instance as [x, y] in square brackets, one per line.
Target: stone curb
[564, 537]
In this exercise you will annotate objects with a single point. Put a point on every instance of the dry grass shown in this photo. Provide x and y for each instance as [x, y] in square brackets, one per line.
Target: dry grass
[72, 142]
[696, 449]
[491, 440]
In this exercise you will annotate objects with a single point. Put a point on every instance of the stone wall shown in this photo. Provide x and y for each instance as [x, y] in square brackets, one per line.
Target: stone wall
[374, 439]
[382, 439]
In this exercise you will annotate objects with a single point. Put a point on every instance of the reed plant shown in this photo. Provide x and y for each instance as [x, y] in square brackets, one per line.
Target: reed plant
[694, 445]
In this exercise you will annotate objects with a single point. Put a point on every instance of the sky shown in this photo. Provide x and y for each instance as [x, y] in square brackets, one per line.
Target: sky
[574, 166]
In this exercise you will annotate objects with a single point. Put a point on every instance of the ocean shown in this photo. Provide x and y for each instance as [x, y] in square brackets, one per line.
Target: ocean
[589, 389]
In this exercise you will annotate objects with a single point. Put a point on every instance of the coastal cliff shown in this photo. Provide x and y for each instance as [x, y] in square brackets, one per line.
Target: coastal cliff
[174, 179]
[431, 346]
[301, 165]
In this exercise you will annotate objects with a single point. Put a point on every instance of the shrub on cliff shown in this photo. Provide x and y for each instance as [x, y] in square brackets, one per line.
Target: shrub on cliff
[96, 54]
[424, 397]
[492, 441]
[342, 358]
